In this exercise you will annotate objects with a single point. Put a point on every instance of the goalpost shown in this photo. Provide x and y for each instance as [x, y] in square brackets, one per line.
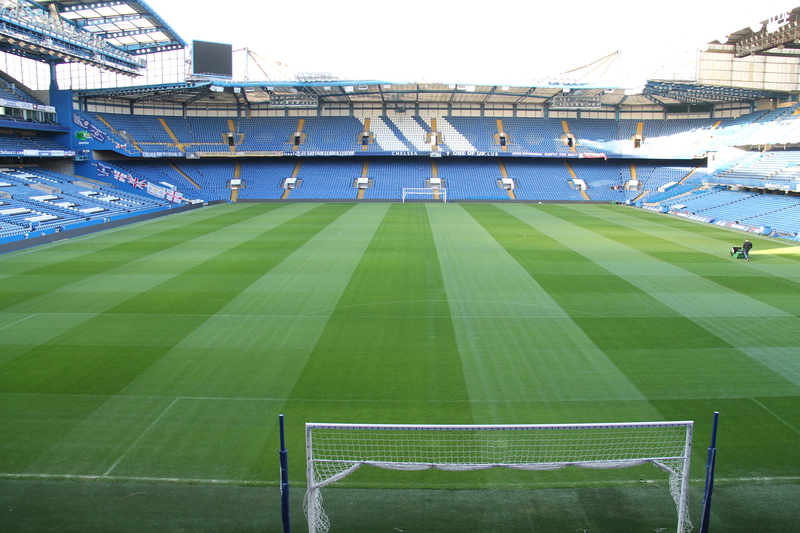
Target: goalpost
[430, 192]
[333, 451]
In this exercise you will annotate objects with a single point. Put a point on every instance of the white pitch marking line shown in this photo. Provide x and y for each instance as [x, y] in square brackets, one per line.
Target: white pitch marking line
[148, 479]
[18, 321]
[781, 420]
[145, 432]
[260, 482]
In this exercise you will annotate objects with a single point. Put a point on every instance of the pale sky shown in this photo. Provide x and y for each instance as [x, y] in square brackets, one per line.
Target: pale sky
[503, 42]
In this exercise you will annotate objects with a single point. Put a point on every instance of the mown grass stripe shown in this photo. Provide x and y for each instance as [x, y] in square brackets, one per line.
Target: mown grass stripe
[700, 358]
[98, 293]
[385, 357]
[259, 342]
[533, 358]
[207, 286]
[763, 333]
[121, 349]
[714, 265]
[404, 356]
[671, 225]
[107, 352]
[667, 336]
[42, 277]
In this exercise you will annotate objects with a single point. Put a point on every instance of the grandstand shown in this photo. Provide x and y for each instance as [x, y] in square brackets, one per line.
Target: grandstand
[261, 198]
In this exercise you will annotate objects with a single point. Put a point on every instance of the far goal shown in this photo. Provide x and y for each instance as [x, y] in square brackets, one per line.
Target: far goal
[333, 451]
[425, 193]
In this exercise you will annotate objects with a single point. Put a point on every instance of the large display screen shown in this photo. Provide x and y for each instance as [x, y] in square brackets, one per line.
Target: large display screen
[212, 59]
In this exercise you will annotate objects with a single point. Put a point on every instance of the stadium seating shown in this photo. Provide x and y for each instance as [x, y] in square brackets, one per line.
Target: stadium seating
[328, 178]
[660, 179]
[467, 179]
[263, 179]
[36, 198]
[667, 138]
[11, 91]
[390, 176]
[542, 180]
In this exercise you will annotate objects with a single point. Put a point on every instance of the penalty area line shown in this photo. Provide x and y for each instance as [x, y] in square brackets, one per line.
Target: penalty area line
[779, 419]
[140, 437]
[18, 321]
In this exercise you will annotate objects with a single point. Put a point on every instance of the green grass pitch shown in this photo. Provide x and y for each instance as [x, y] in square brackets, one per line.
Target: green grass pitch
[142, 369]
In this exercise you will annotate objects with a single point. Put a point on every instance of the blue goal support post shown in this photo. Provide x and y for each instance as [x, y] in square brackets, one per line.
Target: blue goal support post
[711, 463]
[284, 460]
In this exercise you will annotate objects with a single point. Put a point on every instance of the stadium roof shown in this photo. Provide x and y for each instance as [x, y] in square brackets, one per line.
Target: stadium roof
[130, 25]
[33, 31]
[402, 97]
[705, 94]
[777, 36]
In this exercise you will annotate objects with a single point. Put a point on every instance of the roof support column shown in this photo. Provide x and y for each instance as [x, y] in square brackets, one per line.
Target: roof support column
[53, 76]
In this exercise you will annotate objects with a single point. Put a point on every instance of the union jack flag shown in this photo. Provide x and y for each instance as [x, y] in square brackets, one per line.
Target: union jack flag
[139, 184]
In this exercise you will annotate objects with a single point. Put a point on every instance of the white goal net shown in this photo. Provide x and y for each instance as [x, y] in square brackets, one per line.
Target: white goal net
[333, 451]
[425, 193]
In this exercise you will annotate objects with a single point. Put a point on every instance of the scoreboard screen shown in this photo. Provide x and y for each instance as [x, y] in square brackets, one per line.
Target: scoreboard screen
[212, 59]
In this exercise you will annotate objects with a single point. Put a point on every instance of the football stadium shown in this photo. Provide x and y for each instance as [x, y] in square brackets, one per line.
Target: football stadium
[272, 302]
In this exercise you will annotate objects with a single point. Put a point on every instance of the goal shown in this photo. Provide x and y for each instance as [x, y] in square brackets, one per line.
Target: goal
[426, 193]
[333, 451]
